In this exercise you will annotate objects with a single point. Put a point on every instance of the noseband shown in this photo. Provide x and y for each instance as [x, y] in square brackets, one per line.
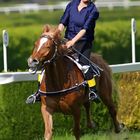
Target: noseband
[55, 52]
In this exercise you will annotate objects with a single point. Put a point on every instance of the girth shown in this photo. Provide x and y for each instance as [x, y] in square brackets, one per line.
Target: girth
[64, 91]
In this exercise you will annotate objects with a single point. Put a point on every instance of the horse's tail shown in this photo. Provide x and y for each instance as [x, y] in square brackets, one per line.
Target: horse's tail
[105, 81]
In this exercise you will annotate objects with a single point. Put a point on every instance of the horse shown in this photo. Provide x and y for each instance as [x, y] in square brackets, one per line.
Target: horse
[63, 88]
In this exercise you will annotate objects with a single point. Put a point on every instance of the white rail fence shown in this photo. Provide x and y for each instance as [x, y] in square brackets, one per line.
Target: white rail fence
[10, 77]
[22, 8]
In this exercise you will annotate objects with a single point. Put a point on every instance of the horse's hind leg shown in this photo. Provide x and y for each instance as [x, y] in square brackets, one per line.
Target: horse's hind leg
[76, 129]
[90, 123]
[108, 101]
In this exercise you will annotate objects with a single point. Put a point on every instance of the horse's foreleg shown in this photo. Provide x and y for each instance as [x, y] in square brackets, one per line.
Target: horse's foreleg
[47, 117]
[76, 129]
[90, 123]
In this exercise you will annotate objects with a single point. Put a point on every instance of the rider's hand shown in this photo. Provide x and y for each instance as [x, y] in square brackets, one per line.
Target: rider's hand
[70, 43]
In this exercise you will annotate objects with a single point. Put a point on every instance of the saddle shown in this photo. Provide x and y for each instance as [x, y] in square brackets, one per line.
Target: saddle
[75, 59]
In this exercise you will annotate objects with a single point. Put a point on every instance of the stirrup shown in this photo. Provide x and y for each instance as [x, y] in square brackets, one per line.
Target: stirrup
[93, 96]
[31, 99]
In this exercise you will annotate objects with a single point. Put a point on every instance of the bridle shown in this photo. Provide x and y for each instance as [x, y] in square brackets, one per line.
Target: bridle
[55, 51]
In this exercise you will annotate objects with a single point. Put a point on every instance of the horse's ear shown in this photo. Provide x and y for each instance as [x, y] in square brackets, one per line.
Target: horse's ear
[46, 28]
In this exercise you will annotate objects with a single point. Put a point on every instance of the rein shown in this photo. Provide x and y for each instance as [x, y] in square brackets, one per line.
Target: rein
[53, 57]
[96, 69]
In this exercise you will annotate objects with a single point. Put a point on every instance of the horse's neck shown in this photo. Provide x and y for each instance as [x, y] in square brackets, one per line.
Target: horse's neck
[56, 74]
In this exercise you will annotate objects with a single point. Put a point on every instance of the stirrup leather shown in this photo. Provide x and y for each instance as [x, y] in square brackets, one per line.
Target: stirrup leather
[91, 82]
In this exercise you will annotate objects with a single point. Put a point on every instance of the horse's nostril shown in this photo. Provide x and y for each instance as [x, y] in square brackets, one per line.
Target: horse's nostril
[35, 61]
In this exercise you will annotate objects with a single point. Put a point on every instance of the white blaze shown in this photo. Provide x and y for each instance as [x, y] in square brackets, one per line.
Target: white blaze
[42, 41]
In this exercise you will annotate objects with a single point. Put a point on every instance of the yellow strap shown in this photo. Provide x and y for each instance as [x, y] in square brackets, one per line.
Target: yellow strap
[39, 77]
[91, 82]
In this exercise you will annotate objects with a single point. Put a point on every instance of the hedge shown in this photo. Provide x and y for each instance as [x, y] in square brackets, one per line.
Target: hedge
[18, 121]
[129, 106]
[112, 41]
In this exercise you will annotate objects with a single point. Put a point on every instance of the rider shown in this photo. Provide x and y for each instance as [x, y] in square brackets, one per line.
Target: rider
[79, 18]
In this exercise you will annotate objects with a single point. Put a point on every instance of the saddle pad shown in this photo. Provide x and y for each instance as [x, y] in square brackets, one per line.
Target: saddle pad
[84, 68]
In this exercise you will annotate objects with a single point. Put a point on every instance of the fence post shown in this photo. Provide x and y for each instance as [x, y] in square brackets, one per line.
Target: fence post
[5, 45]
[133, 31]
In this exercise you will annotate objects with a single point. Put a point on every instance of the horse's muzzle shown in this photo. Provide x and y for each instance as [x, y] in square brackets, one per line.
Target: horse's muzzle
[33, 64]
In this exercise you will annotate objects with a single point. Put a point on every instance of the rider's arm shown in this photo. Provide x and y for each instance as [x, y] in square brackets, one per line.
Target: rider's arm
[61, 27]
[76, 38]
[79, 35]
[65, 18]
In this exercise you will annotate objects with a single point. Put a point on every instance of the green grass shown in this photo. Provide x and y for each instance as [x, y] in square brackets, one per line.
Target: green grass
[101, 136]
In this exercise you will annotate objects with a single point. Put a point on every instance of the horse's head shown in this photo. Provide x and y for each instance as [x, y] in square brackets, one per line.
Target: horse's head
[45, 48]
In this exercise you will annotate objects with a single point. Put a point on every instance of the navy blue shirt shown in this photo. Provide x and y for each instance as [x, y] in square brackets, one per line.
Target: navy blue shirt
[75, 20]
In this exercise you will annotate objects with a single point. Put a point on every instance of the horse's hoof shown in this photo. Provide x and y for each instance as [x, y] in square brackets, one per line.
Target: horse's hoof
[120, 128]
[91, 125]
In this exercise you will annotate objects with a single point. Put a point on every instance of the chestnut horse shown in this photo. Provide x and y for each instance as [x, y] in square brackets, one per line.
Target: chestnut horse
[63, 88]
